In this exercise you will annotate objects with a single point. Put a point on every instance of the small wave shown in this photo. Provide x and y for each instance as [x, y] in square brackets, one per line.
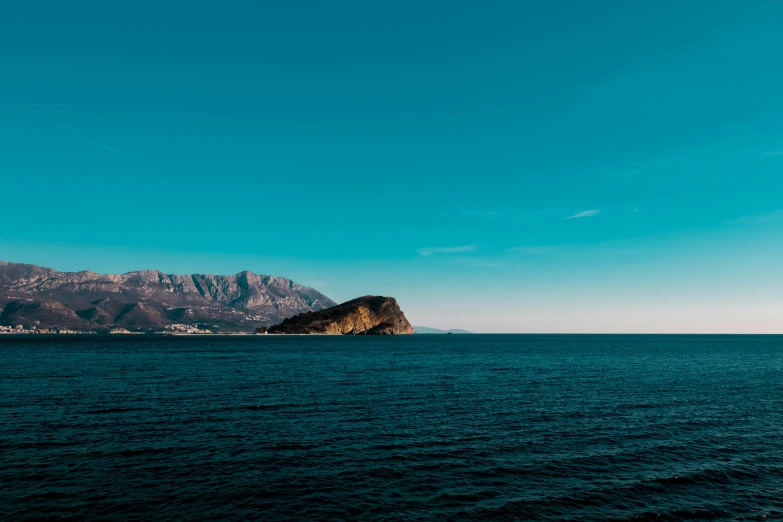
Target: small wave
[710, 476]
[255, 407]
[112, 410]
[289, 446]
[47, 444]
[460, 496]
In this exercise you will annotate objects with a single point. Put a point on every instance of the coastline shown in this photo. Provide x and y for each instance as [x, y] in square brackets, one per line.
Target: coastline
[126, 334]
[162, 334]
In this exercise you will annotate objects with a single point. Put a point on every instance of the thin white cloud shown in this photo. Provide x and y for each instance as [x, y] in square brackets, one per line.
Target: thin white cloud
[446, 250]
[585, 213]
[106, 147]
[773, 153]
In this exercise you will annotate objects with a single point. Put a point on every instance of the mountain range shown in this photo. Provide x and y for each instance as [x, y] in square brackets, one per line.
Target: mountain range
[427, 330]
[35, 296]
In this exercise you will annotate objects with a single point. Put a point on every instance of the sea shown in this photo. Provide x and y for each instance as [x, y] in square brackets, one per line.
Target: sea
[408, 428]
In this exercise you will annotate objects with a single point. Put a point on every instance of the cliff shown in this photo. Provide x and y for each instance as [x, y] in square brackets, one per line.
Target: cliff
[31, 295]
[368, 315]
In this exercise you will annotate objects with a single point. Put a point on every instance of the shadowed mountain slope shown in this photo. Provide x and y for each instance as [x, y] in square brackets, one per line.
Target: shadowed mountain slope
[148, 299]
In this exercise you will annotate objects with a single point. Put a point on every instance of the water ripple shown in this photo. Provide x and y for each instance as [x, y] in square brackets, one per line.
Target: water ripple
[614, 428]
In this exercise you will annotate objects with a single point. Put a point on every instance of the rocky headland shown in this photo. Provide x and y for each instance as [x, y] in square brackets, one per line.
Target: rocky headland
[368, 315]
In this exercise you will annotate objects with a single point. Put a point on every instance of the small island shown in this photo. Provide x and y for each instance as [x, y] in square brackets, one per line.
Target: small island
[368, 315]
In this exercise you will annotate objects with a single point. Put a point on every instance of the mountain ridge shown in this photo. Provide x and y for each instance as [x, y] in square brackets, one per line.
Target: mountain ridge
[153, 299]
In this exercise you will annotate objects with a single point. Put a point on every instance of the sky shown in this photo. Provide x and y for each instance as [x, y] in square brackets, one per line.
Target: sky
[564, 166]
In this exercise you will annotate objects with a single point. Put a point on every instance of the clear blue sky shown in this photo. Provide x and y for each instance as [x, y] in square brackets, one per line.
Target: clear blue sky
[433, 151]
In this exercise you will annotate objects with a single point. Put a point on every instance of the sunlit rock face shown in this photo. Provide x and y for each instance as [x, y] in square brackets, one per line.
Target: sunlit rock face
[368, 315]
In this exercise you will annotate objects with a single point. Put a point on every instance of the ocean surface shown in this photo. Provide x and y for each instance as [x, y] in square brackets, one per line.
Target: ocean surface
[426, 427]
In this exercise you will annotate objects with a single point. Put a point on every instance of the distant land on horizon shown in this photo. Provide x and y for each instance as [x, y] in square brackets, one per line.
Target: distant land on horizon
[43, 298]
[428, 330]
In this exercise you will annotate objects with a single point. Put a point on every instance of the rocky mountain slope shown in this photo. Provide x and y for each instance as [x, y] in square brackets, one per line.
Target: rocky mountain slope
[31, 295]
[368, 315]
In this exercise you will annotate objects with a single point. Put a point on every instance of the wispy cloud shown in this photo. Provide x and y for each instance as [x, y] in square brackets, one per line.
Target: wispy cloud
[446, 250]
[104, 146]
[585, 213]
[773, 153]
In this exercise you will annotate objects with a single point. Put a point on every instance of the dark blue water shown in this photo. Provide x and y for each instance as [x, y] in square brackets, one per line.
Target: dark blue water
[404, 428]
